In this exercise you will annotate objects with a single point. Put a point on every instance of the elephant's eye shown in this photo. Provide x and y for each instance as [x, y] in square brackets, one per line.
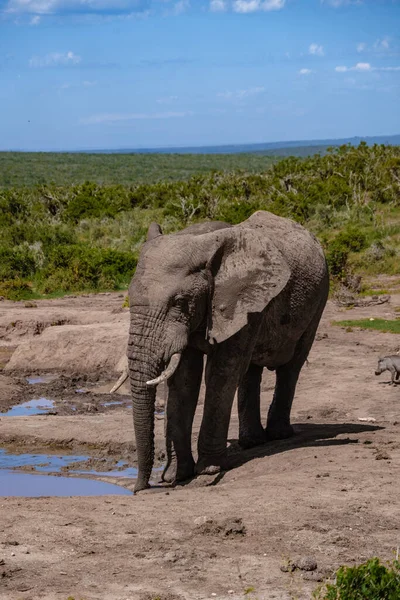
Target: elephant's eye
[180, 302]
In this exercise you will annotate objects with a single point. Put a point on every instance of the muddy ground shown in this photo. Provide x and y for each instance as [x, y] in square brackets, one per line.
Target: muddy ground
[331, 493]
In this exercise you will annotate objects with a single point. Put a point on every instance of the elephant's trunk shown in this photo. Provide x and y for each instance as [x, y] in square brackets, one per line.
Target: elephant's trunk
[145, 364]
[143, 401]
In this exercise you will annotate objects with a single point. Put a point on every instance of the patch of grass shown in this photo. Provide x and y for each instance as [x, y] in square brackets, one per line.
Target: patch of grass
[387, 326]
[369, 581]
[371, 292]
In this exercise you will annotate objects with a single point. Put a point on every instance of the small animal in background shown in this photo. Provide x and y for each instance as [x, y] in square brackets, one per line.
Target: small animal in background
[392, 364]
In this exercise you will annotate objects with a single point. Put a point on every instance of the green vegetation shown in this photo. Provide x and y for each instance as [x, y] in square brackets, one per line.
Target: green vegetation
[86, 236]
[19, 169]
[376, 324]
[369, 581]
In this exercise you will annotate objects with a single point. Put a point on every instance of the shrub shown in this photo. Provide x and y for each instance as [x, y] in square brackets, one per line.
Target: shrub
[79, 267]
[350, 240]
[15, 289]
[16, 262]
[369, 581]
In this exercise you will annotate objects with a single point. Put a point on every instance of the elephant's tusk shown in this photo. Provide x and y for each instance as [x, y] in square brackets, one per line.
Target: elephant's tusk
[120, 381]
[169, 371]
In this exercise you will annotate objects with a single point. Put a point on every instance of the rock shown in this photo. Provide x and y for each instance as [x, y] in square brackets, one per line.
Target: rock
[306, 563]
[321, 336]
[287, 566]
[201, 520]
[228, 527]
[382, 455]
[30, 305]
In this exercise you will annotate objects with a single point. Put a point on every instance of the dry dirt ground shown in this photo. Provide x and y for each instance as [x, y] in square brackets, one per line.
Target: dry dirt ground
[330, 494]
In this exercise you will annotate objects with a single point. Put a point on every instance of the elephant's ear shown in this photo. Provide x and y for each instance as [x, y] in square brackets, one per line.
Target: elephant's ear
[153, 231]
[249, 271]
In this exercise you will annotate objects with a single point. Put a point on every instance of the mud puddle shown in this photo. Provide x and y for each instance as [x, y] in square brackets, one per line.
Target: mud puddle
[34, 475]
[47, 378]
[41, 406]
[73, 464]
[35, 486]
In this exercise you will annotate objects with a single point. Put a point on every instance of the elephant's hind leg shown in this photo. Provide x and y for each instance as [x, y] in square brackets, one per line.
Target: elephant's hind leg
[183, 395]
[251, 432]
[278, 421]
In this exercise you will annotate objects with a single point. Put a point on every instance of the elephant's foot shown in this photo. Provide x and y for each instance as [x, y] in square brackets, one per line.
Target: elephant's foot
[278, 432]
[174, 473]
[211, 465]
[141, 485]
[251, 440]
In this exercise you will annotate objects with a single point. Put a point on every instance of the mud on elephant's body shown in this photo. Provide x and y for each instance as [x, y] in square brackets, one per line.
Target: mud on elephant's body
[248, 296]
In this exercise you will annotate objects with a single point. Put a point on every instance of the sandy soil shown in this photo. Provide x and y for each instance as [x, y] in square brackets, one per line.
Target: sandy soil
[330, 493]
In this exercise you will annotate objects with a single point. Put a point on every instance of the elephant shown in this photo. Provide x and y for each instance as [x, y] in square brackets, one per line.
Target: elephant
[246, 297]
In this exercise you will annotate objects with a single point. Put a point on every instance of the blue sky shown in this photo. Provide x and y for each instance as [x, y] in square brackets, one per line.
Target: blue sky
[80, 74]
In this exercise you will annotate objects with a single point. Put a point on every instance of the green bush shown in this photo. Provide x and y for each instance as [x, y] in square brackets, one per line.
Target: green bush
[15, 289]
[79, 267]
[350, 240]
[16, 262]
[369, 581]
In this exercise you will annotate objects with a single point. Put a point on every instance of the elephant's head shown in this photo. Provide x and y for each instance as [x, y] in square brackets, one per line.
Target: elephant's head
[205, 279]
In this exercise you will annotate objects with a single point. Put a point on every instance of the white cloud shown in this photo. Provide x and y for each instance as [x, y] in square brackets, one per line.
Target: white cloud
[51, 7]
[305, 71]
[35, 20]
[382, 45]
[218, 5]
[339, 3]
[240, 94]
[55, 59]
[121, 117]
[316, 49]
[167, 100]
[361, 47]
[85, 84]
[249, 6]
[181, 6]
[364, 68]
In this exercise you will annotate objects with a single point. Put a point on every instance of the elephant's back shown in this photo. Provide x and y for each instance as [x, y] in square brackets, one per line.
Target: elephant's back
[300, 247]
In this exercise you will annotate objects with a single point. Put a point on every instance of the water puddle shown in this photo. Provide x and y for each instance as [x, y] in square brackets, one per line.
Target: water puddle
[115, 403]
[32, 407]
[47, 378]
[46, 463]
[36, 486]
[13, 482]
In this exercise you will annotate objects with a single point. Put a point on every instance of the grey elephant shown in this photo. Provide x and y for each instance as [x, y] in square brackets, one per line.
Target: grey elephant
[248, 296]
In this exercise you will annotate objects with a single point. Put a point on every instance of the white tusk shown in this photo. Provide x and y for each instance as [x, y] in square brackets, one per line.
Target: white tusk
[169, 371]
[120, 381]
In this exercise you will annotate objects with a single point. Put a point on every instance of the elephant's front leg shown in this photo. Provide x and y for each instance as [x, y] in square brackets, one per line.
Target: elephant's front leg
[183, 394]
